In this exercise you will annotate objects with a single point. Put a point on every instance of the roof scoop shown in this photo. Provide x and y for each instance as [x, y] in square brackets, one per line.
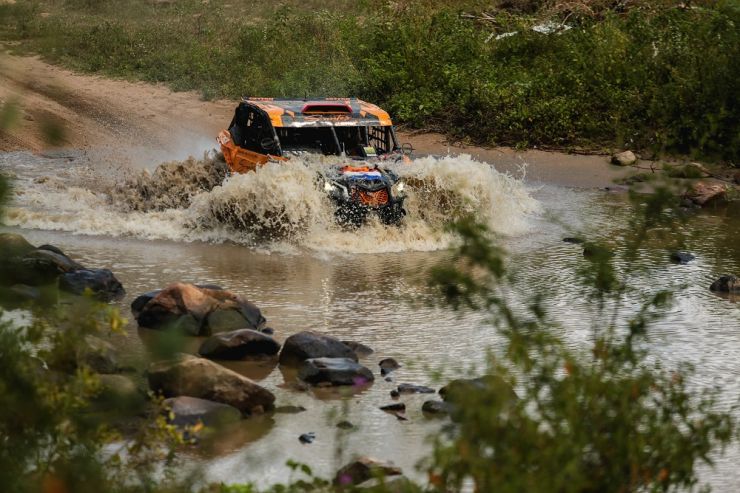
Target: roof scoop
[327, 109]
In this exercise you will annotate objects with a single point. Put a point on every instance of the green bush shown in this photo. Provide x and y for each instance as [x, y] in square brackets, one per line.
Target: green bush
[652, 76]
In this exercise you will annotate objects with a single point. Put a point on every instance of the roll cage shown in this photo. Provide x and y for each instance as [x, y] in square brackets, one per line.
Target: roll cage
[252, 129]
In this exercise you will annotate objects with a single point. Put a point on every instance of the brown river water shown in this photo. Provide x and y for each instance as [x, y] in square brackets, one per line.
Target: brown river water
[370, 285]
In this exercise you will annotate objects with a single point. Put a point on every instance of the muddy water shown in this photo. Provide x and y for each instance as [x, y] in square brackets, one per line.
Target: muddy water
[370, 286]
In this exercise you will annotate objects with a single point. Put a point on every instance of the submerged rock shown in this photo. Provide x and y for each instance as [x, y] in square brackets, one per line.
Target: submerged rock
[196, 310]
[396, 406]
[408, 388]
[388, 365]
[308, 344]
[101, 282]
[334, 371]
[290, 409]
[239, 344]
[682, 258]
[458, 390]
[189, 411]
[626, 158]
[202, 378]
[363, 469]
[726, 284]
[307, 438]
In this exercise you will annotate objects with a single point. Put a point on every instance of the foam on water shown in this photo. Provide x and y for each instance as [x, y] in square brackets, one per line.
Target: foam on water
[279, 207]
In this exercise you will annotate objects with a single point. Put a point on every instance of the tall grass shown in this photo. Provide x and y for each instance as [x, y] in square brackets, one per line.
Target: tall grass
[647, 75]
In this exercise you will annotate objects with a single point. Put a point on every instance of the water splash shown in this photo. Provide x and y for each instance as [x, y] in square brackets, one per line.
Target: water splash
[277, 207]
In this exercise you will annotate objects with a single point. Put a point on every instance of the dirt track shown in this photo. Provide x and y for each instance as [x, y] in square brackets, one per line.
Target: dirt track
[146, 124]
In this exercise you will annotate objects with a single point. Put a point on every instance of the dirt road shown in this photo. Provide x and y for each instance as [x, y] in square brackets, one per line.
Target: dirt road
[145, 124]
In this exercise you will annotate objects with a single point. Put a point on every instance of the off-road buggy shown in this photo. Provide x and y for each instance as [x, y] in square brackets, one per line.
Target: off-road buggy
[360, 133]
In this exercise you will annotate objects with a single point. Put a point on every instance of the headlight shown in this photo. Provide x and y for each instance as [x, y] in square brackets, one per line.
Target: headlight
[328, 187]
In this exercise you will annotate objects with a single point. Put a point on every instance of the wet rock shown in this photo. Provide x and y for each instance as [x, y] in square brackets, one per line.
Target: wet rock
[36, 268]
[334, 371]
[289, 409]
[388, 379]
[268, 330]
[239, 344]
[437, 408]
[459, 390]
[307, 437]
[682, 258]
[345, 425]
[120, 391]
[196, 310]
[363, 469]
[408, 388]
[202, 378]
[626, 158]
[101, 282]
[140, 302]
[14, 245]
[397, 409]
[99, 355]
[189, 411]
[360, 349]
[574, 240]
[593, 251]
[308, 344]
[726, 284]
[395, 394]
[388, 365]
[702, 193]
[60, 262]
[52, 248]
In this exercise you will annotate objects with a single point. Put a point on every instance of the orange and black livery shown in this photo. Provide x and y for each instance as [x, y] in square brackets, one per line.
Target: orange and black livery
[268, 129]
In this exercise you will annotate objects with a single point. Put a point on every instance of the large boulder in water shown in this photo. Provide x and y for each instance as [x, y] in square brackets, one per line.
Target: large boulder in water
[101, 283]
[23, 264]
[189, 411]
[14, 245]
[334, 371]
[726, 284]
[703, 193]
[202, 378]
[239, 344]
[196, 310]
[308, 344]
[37, 267]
